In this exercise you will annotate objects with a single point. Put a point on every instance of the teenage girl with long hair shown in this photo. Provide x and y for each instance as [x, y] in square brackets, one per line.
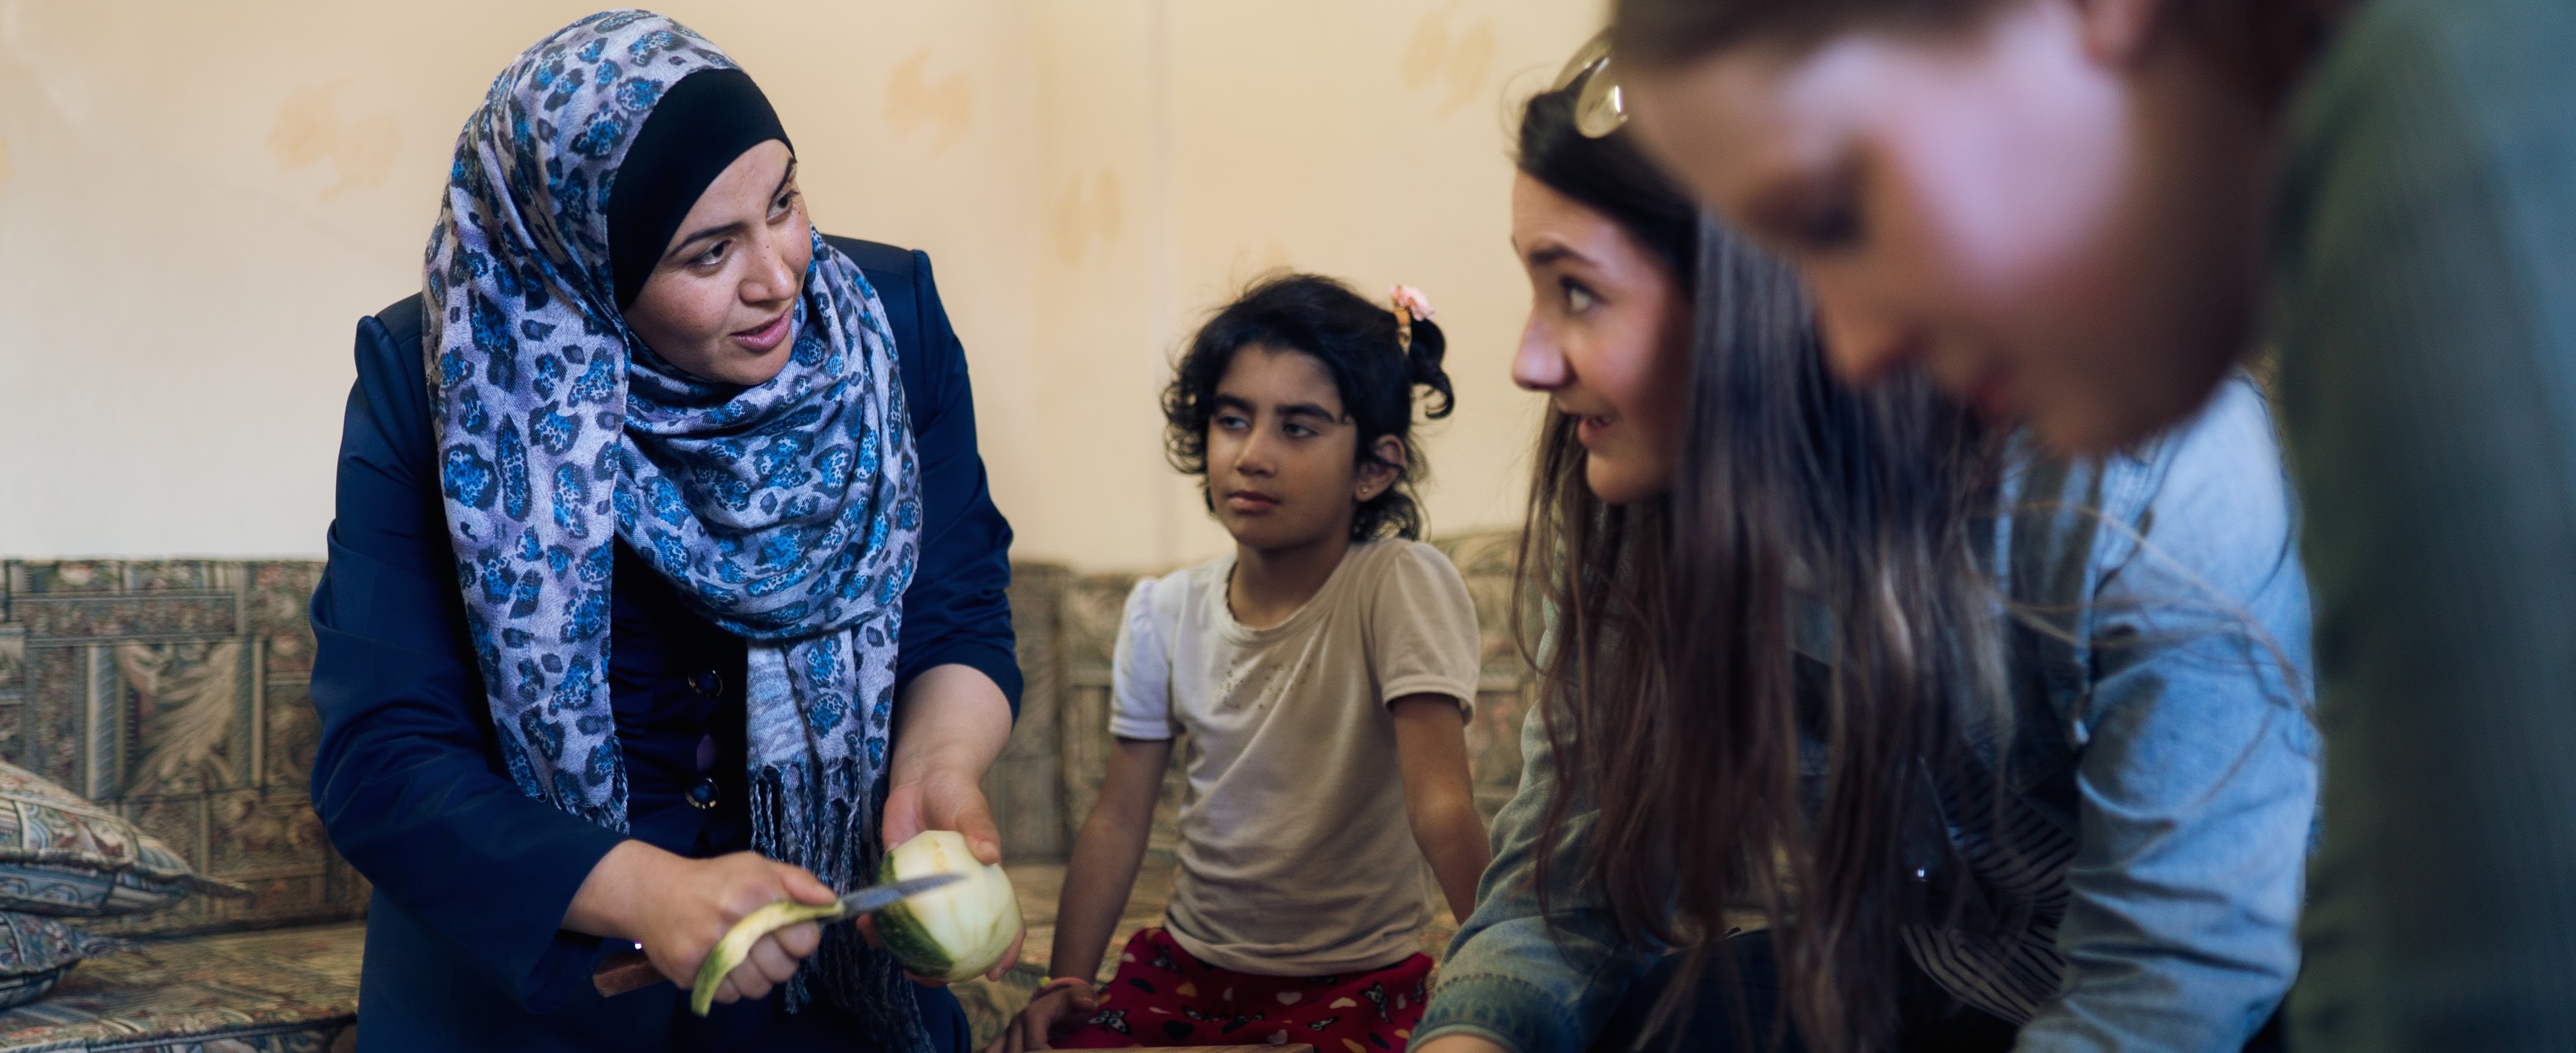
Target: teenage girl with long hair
[2002, 749]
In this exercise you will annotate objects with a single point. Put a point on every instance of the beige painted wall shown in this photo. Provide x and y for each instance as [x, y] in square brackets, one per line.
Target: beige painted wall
[197, 201]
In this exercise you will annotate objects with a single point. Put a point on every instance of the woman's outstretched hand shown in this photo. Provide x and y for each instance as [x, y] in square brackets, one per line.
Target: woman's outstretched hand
[942, 799]
[950, 724]
[679, 907]
[945, 799]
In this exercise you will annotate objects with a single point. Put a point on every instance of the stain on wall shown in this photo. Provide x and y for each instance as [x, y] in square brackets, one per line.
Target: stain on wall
[1089, 212]
[915, 100]
[309, 131]
[1460, 62]
[1377, 189]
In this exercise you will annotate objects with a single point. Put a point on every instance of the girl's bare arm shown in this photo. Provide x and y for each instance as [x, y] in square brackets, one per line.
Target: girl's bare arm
[1439, 795]
[1105, 855]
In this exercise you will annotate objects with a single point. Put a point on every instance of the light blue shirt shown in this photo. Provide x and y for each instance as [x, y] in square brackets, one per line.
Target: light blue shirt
[2158, 632]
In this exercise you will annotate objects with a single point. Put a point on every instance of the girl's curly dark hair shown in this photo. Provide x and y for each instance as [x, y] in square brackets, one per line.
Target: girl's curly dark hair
[1355, 339]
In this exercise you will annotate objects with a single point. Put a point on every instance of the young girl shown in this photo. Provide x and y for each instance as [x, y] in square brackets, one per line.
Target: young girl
[2008, 750]
[1324, 673]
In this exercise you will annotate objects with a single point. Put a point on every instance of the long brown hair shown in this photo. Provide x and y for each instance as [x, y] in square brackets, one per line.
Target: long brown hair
[1671, 682]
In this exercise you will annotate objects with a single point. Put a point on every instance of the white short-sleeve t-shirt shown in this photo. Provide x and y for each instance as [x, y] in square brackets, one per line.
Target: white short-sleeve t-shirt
[1296, 858]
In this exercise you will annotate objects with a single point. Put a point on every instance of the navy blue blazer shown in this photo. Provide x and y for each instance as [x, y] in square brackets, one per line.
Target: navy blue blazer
[471, 877]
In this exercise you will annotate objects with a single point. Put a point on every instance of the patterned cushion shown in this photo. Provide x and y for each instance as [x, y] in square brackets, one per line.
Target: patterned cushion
[35, 952]
[60, 854]
[272, 991]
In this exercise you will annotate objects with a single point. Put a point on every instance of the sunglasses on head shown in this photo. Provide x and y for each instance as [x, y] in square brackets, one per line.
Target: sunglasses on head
[1598, 108]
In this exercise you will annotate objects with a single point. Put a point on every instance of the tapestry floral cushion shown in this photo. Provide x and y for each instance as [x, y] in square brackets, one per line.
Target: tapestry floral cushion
[60, 854]
[36, 951]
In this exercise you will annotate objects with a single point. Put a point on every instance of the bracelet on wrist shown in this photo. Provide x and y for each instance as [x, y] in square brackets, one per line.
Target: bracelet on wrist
[1056, 983]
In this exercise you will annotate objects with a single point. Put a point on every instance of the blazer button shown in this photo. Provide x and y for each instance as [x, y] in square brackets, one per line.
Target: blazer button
[709, 683]
[702, 794]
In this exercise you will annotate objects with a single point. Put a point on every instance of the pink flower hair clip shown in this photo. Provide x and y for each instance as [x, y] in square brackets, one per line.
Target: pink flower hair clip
[1410, 307]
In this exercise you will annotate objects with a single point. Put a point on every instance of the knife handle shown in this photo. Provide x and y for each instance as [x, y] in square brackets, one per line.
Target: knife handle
[625, 971]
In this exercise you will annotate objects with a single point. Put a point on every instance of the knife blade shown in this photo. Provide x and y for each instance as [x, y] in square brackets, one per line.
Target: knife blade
[631, 971]
[875, 898]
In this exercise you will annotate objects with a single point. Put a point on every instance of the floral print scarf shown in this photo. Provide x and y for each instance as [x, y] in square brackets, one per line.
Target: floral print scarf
[786, 513]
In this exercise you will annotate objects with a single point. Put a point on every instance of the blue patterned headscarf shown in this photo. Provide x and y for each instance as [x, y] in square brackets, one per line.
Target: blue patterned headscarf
[786, 512]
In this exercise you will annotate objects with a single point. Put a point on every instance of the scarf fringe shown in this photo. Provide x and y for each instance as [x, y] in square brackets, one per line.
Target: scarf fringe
[794, 820]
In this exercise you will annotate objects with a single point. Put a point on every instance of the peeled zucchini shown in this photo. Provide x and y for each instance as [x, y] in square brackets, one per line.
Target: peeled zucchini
[955, 932]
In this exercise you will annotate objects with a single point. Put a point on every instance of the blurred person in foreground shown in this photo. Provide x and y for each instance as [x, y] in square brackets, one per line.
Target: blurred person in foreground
[2081, 213]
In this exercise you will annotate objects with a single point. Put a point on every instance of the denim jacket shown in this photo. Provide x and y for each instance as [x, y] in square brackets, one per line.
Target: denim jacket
[2158, 660]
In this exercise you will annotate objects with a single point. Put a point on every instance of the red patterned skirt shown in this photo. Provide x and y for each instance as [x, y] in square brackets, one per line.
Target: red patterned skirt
[1164, 997]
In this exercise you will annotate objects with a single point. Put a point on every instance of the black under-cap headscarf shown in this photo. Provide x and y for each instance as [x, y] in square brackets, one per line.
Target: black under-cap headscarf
[705, 122]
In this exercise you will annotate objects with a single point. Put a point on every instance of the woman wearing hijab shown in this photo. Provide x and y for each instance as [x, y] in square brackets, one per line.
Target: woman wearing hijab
[664, 582]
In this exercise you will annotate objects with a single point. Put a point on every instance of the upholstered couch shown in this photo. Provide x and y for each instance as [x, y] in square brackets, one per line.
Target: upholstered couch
[174, 692]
